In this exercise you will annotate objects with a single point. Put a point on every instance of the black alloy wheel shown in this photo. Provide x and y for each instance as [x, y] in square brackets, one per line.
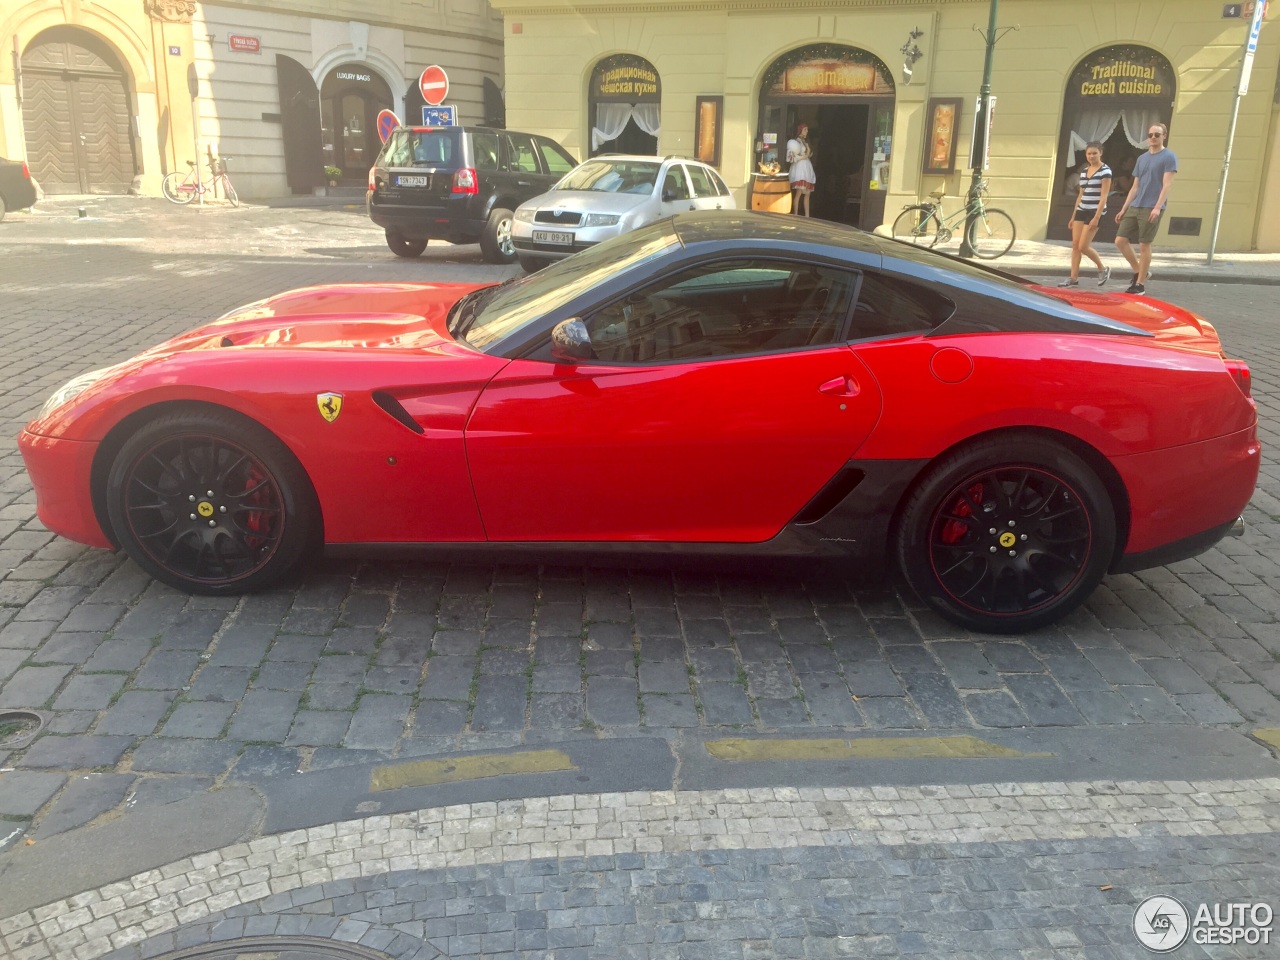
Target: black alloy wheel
[1005, 537]
[211, 503]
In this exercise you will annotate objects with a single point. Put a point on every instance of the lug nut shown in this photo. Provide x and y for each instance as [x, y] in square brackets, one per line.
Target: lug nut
[993, 549]
[1011, 523]
[224, 510]
[1024, 536]
[214, 523]
[211, 494]
[193, 516]
[992, 531]
[192, 498]
[1013, 553]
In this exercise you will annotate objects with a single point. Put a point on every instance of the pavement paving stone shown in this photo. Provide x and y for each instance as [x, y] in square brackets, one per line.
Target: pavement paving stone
[1043, 701]
[24, 792]
[264, 715]
[33, 686]
[167, 670]
[314, 728]
[76, 752]
[332, 696]
[889, 713]
[23, 634]
[500, 703]
[439, 718]
[222, 684]
[136, 712]
[378, 722]
[85, 797]
[117, 656]
[73, 648]
[90, 691]
[199, 719]
[282, 675]
[668, 710]
[165, 755]
[358, 641]
[995, 709]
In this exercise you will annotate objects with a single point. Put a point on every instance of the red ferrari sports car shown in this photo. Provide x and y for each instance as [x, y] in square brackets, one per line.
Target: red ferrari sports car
[718, 383]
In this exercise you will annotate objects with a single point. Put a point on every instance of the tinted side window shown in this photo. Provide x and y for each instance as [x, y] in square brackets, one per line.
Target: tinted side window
[889, 306]
[702, 185]
[675, 187]
[484, 147]
[556, 159]
[398, 151]
[520, 156]
[725, 309]
[721, 188]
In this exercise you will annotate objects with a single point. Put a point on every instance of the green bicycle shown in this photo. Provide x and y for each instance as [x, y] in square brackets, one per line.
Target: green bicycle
[991, 235]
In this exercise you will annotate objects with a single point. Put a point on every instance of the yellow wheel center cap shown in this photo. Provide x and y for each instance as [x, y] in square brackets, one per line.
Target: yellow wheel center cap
[204, 508]
[1007, 539]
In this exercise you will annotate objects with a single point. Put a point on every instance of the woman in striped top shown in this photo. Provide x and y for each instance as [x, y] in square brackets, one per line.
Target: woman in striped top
[1091, 204]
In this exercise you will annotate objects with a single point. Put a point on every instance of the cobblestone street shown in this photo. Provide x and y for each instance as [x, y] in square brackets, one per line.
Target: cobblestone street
[153, 698]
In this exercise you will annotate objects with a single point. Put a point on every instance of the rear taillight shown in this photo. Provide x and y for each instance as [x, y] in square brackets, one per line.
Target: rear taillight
[26, 172]
[1239, 371]
[464, 181]
[373, 182]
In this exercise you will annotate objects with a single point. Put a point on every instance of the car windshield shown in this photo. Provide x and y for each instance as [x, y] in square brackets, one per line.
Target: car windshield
[612, 176]
[512, 306]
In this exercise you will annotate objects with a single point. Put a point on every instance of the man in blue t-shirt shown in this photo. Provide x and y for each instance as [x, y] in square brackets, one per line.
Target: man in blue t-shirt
[1139, 218]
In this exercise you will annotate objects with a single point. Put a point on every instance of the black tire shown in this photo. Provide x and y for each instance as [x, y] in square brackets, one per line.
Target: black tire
[403, 247]
[915, 225]
[229, 192]
[1054, 534]
[992, 234]
[171, 185]
[533, 264]
[3, 208]
[211, 503]
[495, 242]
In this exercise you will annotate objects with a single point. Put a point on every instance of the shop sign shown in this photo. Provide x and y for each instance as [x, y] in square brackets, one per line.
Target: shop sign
[829, 76]
[242, 44]
[631, 81]
[349, 75]
[1123, 78]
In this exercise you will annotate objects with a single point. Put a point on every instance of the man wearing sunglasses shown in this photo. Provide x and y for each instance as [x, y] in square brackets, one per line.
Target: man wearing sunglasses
[1139, 218]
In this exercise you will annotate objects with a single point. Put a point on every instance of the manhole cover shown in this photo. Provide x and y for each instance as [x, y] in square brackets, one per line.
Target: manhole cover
[277, 948]
[17, 727]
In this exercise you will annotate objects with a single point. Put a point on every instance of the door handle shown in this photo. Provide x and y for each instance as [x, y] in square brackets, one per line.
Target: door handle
[693, 206]
[525, 183]
[719, 206]
[844, 386]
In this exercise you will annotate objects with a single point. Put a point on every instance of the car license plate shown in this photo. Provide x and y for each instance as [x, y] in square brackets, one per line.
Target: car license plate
[412, 181]
[551, 236]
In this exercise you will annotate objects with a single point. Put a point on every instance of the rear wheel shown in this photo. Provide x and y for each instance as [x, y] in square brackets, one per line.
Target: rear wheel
[1007, 534]
[403, 247]
[229, 192]
[992, 234]
[172, 188]
[914, 226]
[495, 242]
[211, 503]
[3, 209]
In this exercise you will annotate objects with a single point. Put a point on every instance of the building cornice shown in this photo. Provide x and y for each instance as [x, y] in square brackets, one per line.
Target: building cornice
[171, 11]
[509, 8]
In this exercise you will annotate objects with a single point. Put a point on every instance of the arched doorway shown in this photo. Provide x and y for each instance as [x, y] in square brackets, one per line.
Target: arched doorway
[624, 103]
[846, 96]
[75, 112]
[1113, 95]
[351, 97]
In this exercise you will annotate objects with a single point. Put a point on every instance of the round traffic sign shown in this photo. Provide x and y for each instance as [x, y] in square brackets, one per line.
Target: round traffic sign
[387, 121]
[434, 84]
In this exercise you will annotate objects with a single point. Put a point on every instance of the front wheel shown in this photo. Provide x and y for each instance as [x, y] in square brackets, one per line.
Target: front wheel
[176, 189]
[211, 503]
[495, 243]
[991, 234]
[1007, 534]
[229, 192]
[533, 264]
[912, 226]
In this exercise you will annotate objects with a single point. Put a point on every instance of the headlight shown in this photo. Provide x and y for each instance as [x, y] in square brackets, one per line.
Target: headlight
[71, 389]
[600, 219]
[524, 216]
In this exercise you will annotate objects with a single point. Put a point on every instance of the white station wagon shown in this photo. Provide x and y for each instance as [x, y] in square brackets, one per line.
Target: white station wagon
[610, 195]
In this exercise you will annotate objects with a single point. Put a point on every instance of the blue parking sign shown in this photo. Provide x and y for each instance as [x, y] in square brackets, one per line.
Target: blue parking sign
[443, 116]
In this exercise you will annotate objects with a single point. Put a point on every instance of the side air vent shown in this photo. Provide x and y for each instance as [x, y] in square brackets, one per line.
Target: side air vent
[837, 488]
[392, 406]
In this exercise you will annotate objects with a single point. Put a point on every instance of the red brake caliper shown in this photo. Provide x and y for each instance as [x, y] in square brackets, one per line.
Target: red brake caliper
[953, 531]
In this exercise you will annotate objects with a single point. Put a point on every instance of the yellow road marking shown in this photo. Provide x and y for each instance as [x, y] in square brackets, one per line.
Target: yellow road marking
[424, 773]
[866, 748]
[1268, 735]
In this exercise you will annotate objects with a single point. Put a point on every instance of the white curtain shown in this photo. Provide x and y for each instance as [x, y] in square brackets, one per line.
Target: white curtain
[611, 120]
[1093, 125]
[647, 117]
[1137, 121]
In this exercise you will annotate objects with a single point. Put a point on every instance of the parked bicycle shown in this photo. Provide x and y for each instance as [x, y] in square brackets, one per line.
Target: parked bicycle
[183, 188]
[991, 234]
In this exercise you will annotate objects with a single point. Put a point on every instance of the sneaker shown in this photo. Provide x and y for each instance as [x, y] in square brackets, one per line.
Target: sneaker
[1137, 288]
[1104, 275]
[1070, 282]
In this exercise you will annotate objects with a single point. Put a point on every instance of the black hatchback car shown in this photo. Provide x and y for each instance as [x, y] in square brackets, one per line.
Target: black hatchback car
[459, 184]
[17, 189]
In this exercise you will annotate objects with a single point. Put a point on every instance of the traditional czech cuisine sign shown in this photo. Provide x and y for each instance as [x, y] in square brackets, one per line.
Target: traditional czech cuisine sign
[632, 81]
[1125, 78]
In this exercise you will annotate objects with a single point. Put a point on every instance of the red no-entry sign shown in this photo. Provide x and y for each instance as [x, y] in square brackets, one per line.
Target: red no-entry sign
[434, 84]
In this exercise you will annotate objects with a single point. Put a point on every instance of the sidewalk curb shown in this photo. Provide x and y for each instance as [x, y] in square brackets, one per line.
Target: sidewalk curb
[1171, 273]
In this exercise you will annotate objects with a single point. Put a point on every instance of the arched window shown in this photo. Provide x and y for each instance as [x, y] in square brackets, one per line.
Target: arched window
[1112, 97]
[625, 106]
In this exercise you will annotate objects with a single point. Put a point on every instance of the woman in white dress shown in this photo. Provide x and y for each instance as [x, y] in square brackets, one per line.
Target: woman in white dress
[803, 179]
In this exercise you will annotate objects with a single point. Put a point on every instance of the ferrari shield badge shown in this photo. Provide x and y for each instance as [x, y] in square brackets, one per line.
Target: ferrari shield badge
[330, 405]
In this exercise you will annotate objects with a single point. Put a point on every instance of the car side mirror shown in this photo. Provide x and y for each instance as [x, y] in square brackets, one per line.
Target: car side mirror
[570, 341]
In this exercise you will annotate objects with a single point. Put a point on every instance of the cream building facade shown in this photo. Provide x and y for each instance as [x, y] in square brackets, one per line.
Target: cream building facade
[96, 94]
[735, 76]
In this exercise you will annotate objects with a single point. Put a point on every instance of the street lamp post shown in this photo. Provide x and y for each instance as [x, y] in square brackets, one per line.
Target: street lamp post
[981, 129]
